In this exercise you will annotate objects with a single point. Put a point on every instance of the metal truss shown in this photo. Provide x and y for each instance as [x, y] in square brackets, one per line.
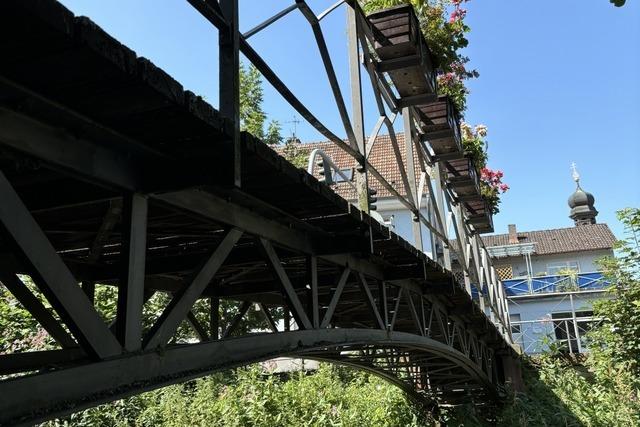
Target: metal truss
[147, 189]
[462, 249]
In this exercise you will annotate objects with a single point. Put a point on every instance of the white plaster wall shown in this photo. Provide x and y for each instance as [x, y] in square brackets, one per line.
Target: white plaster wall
[403, 223]
[540, 309]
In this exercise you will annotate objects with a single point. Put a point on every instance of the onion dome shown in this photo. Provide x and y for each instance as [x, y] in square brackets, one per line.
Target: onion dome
[581, 203]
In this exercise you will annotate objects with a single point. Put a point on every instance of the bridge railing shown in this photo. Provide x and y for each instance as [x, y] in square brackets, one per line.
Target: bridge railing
[448, 220]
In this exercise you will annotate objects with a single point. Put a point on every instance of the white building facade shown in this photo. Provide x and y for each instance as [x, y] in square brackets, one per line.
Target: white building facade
[552, 278]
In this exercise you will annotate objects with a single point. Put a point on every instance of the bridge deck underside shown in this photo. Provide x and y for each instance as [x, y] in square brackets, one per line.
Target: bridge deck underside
[84, 122]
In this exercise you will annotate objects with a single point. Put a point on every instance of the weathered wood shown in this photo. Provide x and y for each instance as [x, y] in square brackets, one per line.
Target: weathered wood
[398, 42]
[440, 123]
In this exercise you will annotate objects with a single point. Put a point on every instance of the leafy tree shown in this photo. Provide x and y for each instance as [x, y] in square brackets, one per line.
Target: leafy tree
[615, 344]
[252, 117]
[604, 390]
[20, 331]
[294, 151]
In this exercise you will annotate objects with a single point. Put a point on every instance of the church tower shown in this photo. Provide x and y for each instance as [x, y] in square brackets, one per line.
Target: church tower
[581, 203]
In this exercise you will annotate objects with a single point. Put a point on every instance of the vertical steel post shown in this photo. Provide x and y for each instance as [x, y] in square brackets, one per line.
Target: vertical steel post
[229, 79]
[315, 307]
[411, 172]
[214, 318]
[437, 176]
[575, 323]
[89, 288]
[131, 286]
[287, 319]
[362, 182]
[382, 302]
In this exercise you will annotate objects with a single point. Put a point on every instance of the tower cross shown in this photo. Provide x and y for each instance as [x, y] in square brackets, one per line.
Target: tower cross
[574, 172]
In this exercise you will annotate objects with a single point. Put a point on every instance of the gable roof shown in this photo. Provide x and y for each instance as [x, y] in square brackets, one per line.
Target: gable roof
[382, 158]
[560, 240]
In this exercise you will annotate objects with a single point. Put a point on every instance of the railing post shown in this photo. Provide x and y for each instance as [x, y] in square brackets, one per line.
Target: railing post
[409, 131]
[437, 176]
[362, 182]
[229, 79]
[575, 324]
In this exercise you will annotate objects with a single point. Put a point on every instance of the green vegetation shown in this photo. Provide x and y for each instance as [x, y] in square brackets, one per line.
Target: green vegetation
[443, 26]
[604, 388]
[246, 397]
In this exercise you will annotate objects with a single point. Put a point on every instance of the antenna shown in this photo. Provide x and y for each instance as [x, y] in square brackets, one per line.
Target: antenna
[295, 122]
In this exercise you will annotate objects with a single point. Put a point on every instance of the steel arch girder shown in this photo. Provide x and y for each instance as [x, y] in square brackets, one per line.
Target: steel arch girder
[39, 397]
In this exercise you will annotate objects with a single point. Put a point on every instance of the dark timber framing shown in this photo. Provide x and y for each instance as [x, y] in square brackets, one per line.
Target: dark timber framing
[111, 174]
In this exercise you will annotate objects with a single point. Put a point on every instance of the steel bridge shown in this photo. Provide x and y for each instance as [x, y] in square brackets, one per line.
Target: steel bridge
[112, 174]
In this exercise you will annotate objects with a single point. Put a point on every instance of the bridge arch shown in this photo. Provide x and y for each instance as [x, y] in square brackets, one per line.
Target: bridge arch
[69, 390]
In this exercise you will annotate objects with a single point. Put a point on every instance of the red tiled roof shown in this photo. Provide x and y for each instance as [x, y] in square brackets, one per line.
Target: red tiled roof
[561, 240]
[382, 158]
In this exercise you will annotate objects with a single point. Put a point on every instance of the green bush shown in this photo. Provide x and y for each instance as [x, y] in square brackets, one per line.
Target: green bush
[248, 397]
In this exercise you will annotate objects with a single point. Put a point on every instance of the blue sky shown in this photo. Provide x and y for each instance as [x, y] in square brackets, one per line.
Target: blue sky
[559, 83]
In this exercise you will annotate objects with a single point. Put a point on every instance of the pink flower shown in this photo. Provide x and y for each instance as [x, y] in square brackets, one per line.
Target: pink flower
[504, 187]
[457, 14]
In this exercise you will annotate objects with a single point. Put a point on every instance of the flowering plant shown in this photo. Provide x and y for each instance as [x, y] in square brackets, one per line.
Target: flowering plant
[491, 186]
[475, 147]
[442, 23]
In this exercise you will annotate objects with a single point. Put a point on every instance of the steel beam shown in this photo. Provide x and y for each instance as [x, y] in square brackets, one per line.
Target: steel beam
[326, 320]
[296, 306]
[313, 283]
[268, 317]
[229, 78]
[14, 363]
[68, 152]
[131, 285]
[177, 310]
[371, 304]
[53, 277]
[91, 384]
[36, 309]
[242, 310]
[214, 317]
[362, 180]
[197, 326]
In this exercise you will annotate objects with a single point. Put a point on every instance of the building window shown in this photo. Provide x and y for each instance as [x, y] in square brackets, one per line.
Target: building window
[570, 333]
[516, 328]
[348, 172]
[555, 268]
